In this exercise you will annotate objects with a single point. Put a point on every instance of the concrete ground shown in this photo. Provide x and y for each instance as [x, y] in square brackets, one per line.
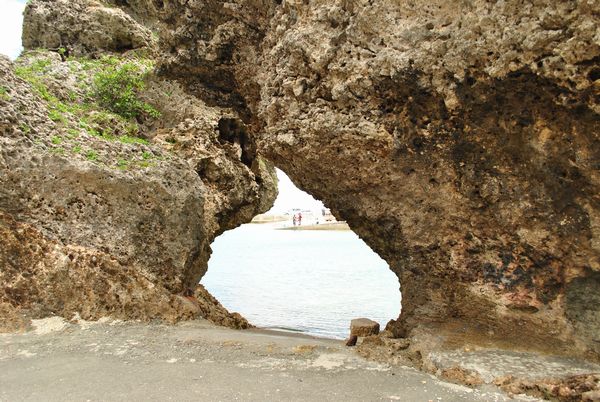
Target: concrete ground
[197, 361]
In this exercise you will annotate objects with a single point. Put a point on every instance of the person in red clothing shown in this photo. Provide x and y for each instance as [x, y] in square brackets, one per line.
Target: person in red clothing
[299, 218]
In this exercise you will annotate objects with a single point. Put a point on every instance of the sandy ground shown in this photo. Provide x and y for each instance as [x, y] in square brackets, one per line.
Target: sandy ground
[116, 361]
[320, 226]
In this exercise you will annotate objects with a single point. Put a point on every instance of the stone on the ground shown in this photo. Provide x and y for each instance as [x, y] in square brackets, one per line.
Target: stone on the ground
[352, 340]
[364, 327]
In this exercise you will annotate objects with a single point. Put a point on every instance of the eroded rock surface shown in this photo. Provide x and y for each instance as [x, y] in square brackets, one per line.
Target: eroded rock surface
[102, 215]
[83, 27]
[459, 140]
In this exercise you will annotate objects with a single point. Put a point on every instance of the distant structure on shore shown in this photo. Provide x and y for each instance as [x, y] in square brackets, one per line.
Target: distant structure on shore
[327, 215]
[318, 219]
[265, 218]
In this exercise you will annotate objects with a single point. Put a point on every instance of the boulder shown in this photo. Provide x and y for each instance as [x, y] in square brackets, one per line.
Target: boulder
[83, 27]
[591, 396]
[364, 327]
[352, 340]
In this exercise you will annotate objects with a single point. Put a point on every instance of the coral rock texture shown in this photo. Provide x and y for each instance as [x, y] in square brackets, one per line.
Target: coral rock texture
[104, 216]
[468, 140]
[461, 141]
[81, 27]
[458, 139]
[363, 327]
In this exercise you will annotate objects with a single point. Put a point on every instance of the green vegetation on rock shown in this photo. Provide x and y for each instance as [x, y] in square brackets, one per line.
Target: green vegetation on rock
[35, 73]
[25, 128]
[114, 88]
[117, 87]
[91, 155]
[103, 101]
[4, 93]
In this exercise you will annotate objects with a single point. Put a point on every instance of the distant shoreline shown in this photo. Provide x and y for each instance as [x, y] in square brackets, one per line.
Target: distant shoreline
[321, 226]
[260, 219]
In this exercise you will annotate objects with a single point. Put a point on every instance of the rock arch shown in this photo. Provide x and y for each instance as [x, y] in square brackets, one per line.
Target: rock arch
[459, 140]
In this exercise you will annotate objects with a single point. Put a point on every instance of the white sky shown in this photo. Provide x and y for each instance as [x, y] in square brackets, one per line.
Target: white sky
[291, 196]
[11, 19]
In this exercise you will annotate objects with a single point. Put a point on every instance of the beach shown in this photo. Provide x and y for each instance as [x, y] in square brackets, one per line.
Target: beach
[113, 361]
[320, 226]
[333, 276]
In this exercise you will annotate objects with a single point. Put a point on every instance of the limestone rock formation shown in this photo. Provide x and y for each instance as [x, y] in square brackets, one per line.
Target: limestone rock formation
[105, 215]
[458, 139]
[585, 387]
[82, 27]
[461, 141]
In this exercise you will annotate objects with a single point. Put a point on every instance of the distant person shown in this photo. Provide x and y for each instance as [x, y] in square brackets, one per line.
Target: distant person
[299, 218]
[294, 220]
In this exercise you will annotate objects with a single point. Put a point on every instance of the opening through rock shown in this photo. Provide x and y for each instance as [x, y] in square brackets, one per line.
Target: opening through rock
[312, 278]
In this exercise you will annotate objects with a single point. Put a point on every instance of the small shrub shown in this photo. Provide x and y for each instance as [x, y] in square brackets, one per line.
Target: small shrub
[25, 128]
[77, 149]
[116, 89]
[56, 116]
[91, 155]
[56, 140]
[122, 164]
[146, 155]
[4, 93]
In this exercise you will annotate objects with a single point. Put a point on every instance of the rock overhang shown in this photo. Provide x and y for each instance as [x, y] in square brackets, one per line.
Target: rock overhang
[458, 140]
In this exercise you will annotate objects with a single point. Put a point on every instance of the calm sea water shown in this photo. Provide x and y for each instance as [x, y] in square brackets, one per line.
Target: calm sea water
[308, 281]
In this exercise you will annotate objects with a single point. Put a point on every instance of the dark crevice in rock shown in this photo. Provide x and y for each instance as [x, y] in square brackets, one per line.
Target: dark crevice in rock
[233, 131]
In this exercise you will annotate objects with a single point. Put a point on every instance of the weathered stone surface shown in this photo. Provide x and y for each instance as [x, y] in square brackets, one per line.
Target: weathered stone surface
[462, 376]
[213, 310]
[363, 327]
[98, 223]
[574, 388]
[459, 140]
[396, 351]
[591, 396]
[351, 341]
[82, 27]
